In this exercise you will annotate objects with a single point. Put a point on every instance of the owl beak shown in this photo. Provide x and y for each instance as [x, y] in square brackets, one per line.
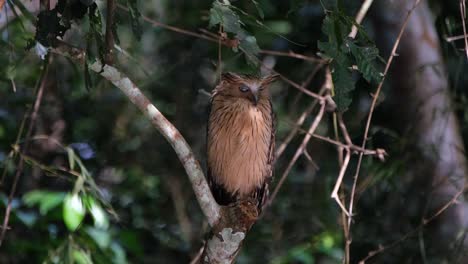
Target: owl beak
[255, 97]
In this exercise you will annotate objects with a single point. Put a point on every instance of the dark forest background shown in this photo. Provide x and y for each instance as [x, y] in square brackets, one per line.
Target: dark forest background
[100, 185]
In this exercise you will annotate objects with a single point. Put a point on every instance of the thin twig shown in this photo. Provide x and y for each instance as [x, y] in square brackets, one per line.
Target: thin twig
[297, 86]
[327, 85]
[424, 222]
[443, 208]
[360, 16]
[299, 151]
[463, 17]
[172, 28]
[197, 257]
[295, 129]
[109, 45]
[292, 54]
[334, 194]
[451, 39]
[229, 43]
[310, 159]
[344, 130]
[380, 153]
[19, 169]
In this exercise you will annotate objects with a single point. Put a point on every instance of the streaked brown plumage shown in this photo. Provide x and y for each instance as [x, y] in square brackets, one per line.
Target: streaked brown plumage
[241, 139]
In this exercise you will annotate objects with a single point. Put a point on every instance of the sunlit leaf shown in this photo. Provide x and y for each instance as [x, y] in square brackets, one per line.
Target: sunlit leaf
[73, 211]
[81, 257]
[71, 158]
[119, 254]
[98, 214]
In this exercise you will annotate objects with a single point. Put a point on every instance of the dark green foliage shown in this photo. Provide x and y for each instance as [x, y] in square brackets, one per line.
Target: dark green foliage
[49, 27]
[345, 52]
[95, 30]
[365, 59]
[52, 24]
[135, 16]
[259, 9]
[225, 16]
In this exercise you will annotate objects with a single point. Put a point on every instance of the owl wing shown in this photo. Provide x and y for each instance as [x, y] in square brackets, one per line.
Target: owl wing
[263, 191]
[220, 194]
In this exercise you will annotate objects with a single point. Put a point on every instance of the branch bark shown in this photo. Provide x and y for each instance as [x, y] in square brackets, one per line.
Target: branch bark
[229, 224]
[194, 171]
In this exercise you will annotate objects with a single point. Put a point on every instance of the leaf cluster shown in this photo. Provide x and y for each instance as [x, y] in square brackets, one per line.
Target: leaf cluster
[226, 16]
[347, 54]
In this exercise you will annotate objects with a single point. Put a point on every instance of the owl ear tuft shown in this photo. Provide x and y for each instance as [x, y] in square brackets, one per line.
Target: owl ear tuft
[230, 77]
[269, 79]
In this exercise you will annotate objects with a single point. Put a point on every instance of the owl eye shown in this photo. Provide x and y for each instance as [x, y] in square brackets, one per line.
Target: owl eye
[244, 88]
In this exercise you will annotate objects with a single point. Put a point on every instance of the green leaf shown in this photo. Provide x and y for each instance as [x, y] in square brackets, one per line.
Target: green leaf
[71, 158]
[335, 28]
[259, 9]
[119, 254]
[46, 200]
[101, 237]
[95, 23]
[365, 59]
[73, 211]
[81, 257]
[225, 15]
[343, 52]
[248, 45]
[343, 84]
[222, 14]
[135, 16]
[98, 214]
[280, 26]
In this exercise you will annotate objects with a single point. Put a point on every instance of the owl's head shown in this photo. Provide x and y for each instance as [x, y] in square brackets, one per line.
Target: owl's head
[253, 89]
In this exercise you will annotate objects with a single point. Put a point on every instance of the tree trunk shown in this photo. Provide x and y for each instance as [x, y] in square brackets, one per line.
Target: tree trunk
[422, 112]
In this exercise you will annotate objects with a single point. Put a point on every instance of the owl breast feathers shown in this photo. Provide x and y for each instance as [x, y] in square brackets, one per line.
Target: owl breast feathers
[240, 139]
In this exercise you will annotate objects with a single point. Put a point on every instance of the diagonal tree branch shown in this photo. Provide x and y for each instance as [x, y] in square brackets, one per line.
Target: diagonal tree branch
[194, 171]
